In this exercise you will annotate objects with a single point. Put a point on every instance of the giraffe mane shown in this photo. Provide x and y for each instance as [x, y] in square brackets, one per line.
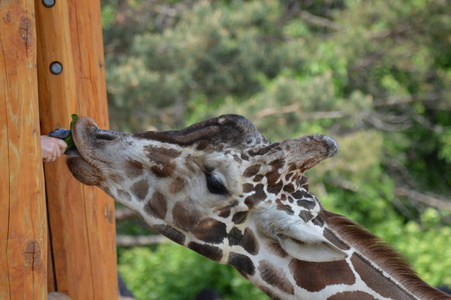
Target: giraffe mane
[380, 253]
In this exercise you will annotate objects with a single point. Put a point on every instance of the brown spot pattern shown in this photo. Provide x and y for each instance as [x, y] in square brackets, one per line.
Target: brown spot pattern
[244, 157]
[250, 242]
[284, 207]
[303, 182]
[306, 204]
[257, 197]
[273, 177]
[288, 176]
[242, 263]
[156, 206]
[133, 169]
[239, 217]
[202, 145]
[258, 178]
[164, 171]
[184, 217]
[210, 230]
[275, 189]
[177, 185]
[161, 155]
[299, 194]
[289, 188]
[318, 221]
[247, 188]
[275, 276]
[235, 236]
[171, 233]
[263, 150]
[305, 215]
[355, 295]
[124, 195]
[224, 212]
[211, 252]
[140, 189]
[315, 276]
[163, 160]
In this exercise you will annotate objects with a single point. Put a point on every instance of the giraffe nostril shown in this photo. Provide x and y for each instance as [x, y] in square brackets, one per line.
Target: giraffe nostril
[105, 135]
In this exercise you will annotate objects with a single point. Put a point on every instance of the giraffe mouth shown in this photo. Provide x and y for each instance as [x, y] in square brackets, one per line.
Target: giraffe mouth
[73, 151]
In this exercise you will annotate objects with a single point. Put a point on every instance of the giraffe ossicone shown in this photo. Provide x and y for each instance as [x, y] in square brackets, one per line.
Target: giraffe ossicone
[220, 188]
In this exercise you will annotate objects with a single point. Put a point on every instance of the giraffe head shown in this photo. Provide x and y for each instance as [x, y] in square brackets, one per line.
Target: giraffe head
[214, 186]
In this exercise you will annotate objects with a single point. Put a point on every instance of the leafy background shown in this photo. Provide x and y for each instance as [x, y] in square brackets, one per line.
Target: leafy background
[375, 75]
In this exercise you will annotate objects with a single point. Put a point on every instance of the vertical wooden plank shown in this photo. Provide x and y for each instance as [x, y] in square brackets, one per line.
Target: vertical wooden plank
[86, 29]
[81, 218]
[57, 94]
[85, 20]
[23, 222]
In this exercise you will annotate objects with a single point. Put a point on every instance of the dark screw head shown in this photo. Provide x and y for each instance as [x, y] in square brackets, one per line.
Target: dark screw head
[56, 68]
[48, 3]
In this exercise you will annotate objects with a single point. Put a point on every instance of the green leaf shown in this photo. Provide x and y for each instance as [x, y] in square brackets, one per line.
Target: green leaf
[69, 141]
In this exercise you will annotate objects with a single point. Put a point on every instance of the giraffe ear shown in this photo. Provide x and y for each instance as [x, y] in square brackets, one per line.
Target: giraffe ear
[306, 243]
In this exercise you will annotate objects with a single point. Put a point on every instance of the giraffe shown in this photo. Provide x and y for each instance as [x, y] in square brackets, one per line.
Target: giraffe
[220, 188]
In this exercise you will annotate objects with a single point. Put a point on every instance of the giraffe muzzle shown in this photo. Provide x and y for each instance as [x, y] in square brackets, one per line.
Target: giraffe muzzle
[93, 151]
[331, 146]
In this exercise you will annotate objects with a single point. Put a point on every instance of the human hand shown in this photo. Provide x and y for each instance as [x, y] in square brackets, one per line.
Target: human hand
[51, 148]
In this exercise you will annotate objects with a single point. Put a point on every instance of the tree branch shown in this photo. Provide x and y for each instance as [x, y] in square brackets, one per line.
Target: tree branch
[319, 21]
[271, 111]
[344, 184]
[131, 241]
[423, 198]
[124, 213]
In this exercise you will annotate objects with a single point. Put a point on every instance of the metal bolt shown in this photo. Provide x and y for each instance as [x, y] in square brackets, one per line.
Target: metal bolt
[56, 68]
[48, 3]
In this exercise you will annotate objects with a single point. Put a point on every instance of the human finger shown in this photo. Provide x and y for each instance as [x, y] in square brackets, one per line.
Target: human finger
[62, 145]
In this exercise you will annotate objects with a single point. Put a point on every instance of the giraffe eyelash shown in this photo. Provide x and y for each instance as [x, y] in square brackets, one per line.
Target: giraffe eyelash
[215, 185]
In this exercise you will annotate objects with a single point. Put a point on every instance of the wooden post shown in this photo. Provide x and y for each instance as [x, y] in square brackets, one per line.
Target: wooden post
[23, 221]
[82, 223]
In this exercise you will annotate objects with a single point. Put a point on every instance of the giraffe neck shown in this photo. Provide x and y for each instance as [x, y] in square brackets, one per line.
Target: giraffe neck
[369, 272]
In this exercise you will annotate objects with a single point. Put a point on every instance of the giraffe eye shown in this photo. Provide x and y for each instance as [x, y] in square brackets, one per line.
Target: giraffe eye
[214, 185]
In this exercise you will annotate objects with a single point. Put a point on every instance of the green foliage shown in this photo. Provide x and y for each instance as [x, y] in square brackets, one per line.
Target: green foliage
[445, 151]
[425, 244]
[191, 60]
[173, 272]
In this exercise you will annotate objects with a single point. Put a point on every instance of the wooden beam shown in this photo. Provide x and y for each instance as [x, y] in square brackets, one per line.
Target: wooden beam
[23, 221]
[82, 223]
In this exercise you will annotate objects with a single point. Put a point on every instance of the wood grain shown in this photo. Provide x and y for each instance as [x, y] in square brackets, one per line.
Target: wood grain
[82, 221]
[23, 221]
